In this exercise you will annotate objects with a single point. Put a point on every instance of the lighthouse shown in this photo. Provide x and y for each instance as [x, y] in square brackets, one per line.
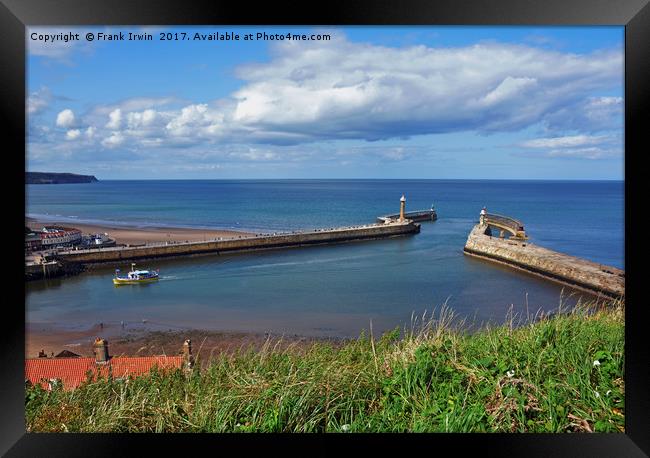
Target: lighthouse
[402, 207]
[482, 216]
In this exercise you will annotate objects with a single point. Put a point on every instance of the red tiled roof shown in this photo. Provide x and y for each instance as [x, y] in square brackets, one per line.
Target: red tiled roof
[72, 371]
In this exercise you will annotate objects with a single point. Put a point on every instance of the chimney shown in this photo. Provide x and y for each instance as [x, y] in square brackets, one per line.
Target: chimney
[188, 358]
[100, 349]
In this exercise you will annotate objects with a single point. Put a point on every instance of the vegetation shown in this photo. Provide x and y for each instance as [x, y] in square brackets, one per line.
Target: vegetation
[559, 373]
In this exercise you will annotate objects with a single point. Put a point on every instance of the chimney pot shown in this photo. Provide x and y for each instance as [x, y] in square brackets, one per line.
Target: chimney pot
[100, 349]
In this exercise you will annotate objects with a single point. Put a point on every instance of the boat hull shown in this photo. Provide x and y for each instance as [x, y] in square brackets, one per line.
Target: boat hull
[126, 281]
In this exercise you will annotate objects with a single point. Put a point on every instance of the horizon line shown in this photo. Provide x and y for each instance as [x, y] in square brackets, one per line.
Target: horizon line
[355, 179]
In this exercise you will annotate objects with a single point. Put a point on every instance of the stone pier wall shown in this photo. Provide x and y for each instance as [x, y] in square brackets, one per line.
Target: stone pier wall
[576, 272]
[338, 235]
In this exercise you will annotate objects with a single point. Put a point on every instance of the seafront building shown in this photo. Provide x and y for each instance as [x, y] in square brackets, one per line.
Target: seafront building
[32, 241]
[52, 237]
[56, 236]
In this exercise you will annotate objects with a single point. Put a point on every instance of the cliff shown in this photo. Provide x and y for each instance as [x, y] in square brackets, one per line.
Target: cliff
[57, 178]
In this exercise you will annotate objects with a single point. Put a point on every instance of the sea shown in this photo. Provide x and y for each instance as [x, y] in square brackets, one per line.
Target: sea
[325, 291]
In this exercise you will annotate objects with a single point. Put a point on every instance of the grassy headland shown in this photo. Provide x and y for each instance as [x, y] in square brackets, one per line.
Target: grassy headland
[562, 373]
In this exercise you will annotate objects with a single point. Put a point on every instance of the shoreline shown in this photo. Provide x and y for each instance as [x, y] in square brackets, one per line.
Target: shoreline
[138, 340]
[139, 235]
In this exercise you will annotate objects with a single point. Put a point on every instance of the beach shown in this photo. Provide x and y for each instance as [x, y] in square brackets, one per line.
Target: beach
[137, 235]
[138, 339]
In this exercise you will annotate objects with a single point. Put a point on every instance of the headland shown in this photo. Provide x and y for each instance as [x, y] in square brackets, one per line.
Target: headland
[57, 178]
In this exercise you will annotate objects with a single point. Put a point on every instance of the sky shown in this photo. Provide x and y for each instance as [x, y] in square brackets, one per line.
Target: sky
[440, 102]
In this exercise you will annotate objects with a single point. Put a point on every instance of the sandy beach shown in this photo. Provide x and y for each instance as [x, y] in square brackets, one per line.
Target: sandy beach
[135, 235]
[141, 340]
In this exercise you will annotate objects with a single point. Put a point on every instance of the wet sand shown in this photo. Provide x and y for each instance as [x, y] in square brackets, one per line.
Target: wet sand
[136, 235]
[143, 340]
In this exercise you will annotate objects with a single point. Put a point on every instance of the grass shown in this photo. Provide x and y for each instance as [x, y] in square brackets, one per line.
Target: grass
[560, 373]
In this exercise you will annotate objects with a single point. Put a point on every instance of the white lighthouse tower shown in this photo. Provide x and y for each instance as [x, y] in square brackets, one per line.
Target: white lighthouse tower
[402, 207]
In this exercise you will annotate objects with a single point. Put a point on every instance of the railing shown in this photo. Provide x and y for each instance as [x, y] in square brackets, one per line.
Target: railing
[500, 220]
[220, 239]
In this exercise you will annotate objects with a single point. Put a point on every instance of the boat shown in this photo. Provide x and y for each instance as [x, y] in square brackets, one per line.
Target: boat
[135, 277]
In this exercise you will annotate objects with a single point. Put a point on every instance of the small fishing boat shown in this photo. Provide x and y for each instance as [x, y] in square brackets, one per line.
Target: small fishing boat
[135, 277]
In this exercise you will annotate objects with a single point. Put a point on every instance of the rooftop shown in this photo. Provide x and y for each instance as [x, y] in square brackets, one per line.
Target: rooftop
[73, 371]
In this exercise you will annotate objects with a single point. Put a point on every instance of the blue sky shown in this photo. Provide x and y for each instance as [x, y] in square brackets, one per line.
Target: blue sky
[370, 102]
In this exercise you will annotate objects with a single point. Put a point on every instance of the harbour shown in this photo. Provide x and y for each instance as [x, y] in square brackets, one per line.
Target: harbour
[321, 289]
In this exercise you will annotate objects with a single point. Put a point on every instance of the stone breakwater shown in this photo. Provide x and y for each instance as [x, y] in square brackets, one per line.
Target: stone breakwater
[570, 270]
[239, 244]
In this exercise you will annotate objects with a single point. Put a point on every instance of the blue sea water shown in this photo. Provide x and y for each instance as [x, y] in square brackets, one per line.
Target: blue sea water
[333, 290]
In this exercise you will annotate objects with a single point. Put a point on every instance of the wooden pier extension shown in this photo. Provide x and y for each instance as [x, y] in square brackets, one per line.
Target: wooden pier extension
[417, 216]
[516, 252]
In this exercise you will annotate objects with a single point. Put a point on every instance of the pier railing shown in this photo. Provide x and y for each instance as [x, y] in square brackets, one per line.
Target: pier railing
[417, 215]
[515, 227]
[240, 243]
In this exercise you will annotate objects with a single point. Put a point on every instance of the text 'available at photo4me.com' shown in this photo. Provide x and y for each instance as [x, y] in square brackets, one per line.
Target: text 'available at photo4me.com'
[66, 37]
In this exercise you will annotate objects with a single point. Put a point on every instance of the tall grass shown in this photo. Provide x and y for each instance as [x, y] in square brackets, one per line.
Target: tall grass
[562, 373]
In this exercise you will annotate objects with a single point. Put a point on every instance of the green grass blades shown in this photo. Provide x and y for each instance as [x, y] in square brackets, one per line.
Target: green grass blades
[562, 373]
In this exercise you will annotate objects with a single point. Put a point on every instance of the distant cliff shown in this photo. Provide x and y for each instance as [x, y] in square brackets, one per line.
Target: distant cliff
[57, 178]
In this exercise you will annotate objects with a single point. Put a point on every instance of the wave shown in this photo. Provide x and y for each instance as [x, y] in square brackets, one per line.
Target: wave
[307, 262]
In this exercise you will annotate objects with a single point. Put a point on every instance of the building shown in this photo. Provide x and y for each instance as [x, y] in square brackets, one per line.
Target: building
[32, 241]
[74, 370]
[59, 236]
[97, 241]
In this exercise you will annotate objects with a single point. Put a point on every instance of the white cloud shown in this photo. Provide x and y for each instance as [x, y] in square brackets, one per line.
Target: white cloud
[195, 119]
[577, 146]
[314, 91]
[72, 134]
[143, 119]
[38, 101]
[254, 154]
[508, 88]
[114, 119]
[569, 141]
[115, 139]
[341, 89]
[136, 104]
[65, 118]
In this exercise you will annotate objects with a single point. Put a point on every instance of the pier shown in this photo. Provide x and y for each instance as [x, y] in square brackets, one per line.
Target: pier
[517, 253]
[49, 269]
[388, 227]
[35, 270]
[417, 216]
[241, 243]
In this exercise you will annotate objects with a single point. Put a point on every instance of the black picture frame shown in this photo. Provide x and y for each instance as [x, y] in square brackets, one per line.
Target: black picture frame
[15, 15]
